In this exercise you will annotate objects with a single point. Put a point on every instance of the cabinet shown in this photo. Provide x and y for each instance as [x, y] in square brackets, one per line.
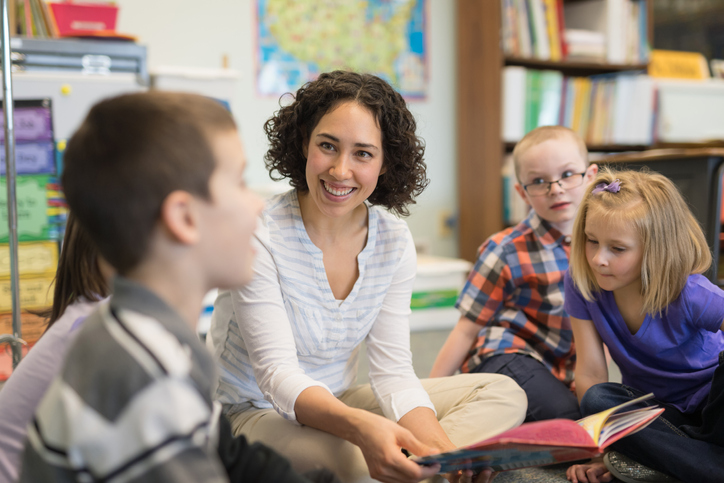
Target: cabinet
[479, 127]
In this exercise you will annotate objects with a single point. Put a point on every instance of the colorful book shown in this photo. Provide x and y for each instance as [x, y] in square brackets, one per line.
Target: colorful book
[539, 30]
[524, 33]
[568, 102]
[554, 33]
[551, 87]
[562, 28]
[510, 28]
[514, 100]
[548, 442]
[532, 99]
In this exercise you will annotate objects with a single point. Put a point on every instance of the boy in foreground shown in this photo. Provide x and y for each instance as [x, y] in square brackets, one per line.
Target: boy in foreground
[513, 321]
[157, 181]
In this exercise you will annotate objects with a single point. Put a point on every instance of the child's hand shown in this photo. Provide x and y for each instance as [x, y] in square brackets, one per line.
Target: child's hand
[589, 473]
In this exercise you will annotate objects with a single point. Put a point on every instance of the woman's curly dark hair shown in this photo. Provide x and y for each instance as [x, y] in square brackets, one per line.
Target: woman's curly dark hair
[290, 128]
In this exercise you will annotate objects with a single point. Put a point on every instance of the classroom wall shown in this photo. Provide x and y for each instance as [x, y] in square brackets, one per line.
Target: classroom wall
[196, 34]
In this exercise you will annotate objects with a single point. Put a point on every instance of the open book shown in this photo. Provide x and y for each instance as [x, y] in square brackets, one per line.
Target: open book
[548, 442]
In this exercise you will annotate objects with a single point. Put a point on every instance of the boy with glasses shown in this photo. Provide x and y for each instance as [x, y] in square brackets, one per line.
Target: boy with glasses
[513, 321]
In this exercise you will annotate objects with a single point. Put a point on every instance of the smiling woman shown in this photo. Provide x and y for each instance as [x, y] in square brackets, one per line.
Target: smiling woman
[334, 269]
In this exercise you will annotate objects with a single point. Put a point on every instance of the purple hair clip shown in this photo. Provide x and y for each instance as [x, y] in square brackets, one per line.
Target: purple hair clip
[614, 187]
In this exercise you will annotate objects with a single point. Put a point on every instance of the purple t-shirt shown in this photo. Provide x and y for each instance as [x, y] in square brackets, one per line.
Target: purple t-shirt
[673, 355]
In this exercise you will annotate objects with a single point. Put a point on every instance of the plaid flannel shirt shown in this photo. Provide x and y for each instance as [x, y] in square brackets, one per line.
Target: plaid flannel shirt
[515, 293]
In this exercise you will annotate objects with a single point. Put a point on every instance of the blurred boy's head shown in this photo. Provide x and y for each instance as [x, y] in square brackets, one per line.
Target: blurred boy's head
[158, 172]
[551, 164]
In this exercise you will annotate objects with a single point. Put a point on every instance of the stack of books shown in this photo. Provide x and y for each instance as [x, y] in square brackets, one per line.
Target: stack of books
[32, 18]
[622, 25]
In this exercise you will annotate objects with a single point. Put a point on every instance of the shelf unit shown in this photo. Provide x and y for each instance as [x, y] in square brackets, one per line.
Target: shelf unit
[479, 132]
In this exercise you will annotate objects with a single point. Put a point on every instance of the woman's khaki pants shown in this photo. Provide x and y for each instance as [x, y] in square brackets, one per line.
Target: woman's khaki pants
[470, 408]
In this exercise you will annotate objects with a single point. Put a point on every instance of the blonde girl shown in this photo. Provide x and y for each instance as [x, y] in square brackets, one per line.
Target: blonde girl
[635, 283]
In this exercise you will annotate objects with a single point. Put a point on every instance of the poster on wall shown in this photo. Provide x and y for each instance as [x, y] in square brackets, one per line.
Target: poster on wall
[297, 41]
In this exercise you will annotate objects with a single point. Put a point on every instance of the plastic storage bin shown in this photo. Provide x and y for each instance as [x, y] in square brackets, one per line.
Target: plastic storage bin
[436, 288]
[83, 18]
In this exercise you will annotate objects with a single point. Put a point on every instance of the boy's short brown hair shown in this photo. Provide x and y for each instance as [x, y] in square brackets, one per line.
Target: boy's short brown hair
[128, 155]
[542, 134]
[290, 128]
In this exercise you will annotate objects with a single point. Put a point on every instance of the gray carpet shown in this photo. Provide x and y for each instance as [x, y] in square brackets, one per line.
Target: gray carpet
[548, 474]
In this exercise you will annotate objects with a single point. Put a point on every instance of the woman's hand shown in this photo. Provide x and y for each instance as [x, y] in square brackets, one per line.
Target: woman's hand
[380, 441]
[594, 472]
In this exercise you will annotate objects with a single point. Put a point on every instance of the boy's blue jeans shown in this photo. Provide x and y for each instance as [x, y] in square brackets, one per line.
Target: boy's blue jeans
[675, 443]
[548, 398]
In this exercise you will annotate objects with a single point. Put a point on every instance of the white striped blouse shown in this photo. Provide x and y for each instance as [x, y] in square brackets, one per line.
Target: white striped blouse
[284, 332]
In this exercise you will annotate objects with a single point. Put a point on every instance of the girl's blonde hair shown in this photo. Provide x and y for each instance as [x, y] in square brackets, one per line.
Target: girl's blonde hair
[673, 243]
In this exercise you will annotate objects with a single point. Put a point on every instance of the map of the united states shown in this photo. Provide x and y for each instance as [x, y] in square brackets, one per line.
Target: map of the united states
[300, 39]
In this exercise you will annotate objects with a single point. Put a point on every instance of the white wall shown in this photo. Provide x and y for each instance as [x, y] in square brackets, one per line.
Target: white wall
[196, 34]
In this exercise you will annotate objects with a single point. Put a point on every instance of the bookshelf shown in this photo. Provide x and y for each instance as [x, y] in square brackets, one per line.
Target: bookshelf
[479, 103]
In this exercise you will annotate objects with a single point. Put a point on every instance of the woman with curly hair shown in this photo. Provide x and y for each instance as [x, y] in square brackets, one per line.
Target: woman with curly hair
[334, 268]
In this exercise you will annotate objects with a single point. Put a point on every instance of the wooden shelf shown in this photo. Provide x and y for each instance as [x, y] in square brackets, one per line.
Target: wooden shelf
[573, 67]
[600, 148]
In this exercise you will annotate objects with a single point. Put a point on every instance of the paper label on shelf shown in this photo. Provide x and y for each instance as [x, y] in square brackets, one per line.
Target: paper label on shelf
[30, 123]
[32, 208]
[34, 258]
[35, 293]
[31, 326]
[31, 158]
[678, 65]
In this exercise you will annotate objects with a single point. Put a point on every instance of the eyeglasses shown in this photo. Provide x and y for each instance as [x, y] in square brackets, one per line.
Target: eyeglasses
[567, 182]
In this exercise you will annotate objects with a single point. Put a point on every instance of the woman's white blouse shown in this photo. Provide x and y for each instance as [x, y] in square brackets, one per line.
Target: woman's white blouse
[284, 332]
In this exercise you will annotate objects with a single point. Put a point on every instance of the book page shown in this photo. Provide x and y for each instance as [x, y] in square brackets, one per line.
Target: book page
[630, 425]
[594, 423]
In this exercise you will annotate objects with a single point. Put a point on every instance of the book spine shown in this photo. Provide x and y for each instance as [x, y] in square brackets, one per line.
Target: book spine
[28, 18]
[526, 41]
[532, 106]
[644, 48]
[554, 40]
[562, 28]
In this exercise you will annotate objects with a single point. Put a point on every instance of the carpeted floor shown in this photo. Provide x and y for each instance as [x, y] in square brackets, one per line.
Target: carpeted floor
[548, 474]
